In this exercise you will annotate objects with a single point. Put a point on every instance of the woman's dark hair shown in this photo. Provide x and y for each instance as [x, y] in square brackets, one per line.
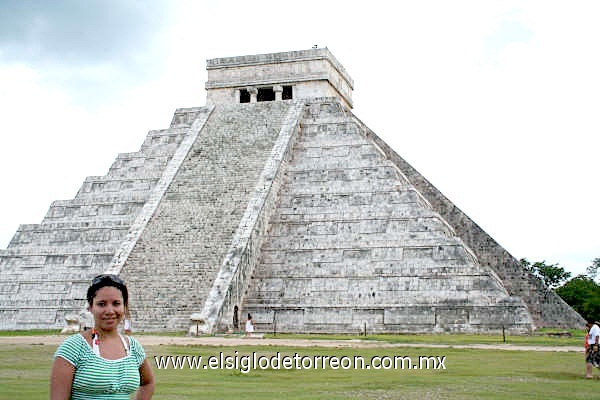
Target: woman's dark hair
[107, 280]
[249, 316]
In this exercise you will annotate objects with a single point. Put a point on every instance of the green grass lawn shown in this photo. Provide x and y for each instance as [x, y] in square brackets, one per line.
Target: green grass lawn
[32, 332]
[468, 374]
[542, 337]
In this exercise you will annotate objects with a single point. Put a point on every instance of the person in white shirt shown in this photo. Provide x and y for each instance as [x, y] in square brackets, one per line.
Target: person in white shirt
[127, 324]
[592, 357]
[249, 326]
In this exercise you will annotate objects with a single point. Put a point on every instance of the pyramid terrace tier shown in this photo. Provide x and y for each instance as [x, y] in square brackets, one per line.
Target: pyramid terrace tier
[411, 318]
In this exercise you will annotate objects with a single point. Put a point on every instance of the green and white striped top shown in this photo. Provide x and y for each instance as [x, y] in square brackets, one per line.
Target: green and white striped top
[99, 378]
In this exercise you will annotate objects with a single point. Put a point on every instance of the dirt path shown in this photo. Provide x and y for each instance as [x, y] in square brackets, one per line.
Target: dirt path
[148, 340]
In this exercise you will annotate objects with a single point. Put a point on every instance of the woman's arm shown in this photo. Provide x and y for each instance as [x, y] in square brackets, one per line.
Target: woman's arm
[146, 389]
[61, 379]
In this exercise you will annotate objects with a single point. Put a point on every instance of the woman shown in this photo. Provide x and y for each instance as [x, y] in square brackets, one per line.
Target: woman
[100, 362]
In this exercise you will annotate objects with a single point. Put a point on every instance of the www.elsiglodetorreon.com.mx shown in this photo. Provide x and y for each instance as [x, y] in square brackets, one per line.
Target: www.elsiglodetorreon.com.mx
[253, 361]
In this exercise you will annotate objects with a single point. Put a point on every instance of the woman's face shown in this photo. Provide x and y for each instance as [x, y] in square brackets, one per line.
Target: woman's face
[107, 308]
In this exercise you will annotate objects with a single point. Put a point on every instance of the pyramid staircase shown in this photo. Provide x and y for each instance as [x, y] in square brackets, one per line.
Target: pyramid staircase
[177, 257]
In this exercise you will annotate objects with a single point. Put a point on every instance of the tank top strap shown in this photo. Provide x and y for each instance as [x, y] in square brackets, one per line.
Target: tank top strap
[95, 343]
[126, 344]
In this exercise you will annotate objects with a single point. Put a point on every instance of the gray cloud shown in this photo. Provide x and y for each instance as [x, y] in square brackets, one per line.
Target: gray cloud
[77, 31]
[84, 38]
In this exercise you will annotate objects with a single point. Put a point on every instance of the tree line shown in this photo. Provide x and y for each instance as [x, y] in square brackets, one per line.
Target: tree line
[581, 292]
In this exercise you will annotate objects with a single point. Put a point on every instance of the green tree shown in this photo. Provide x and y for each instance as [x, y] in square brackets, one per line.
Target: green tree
[583, 294]
[592, 270]
[551, 274]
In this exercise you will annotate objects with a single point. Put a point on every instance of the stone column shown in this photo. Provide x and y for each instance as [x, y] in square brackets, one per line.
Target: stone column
[253, 92]
[278, 89]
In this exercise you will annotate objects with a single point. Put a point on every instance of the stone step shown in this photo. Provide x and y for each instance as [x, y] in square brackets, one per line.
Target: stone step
[94, 209]
[394, 204]
[340, 187]
[413, 318]
[139, 167]
[184, 117]
[367, 269]
[364, 160]
[340, 299]
[351, 248]
[383, 170]
[333, 224]
[67, 236]
[42, 251]
[304, 215]
[161, 141]
[34, 318]
[79, 277]
[103, 184]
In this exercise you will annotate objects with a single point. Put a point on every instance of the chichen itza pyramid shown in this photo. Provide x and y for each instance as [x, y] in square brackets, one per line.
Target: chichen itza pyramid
[273, 199]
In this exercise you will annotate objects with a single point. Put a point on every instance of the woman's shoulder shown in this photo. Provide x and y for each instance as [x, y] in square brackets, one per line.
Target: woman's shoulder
[77, 339]
[72, 349]
[136, 349]
[134, 344]
[132, 340]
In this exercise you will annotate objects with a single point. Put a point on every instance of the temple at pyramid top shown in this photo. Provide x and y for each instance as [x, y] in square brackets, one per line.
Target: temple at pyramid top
[278, 76]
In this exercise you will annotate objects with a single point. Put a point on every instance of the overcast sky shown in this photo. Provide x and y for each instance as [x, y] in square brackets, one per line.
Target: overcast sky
[495, 102]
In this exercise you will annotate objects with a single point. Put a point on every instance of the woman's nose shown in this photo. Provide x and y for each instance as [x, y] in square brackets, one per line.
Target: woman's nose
[110, 309]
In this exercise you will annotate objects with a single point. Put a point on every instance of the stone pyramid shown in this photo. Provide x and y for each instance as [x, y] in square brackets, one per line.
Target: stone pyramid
[273, 199]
